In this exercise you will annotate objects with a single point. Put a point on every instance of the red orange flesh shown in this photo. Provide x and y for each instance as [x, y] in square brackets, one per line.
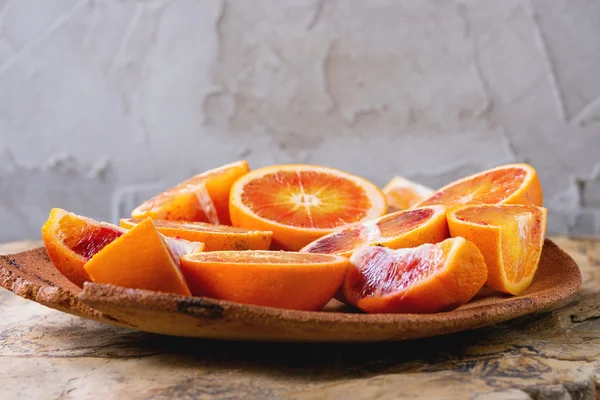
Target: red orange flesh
[300, 203]
[72, 240]
[402, 193]
[424, 279]
[507, 184]
[214, 237]
[203, 197]
[510, 237]
[401, 229]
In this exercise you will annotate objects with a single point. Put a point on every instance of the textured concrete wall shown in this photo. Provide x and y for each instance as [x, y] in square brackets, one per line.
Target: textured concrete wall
[104, 102]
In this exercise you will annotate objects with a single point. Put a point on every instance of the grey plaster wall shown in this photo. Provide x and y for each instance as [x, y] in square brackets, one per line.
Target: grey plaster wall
[104, 102]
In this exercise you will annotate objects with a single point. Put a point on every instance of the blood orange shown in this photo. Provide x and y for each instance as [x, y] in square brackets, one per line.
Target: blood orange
[300, 203]
[507, 184]
[214, 237]
[71, 240]
[510, 237]
[298, 281]
[142, 258]
[408, 228]
[402, 193]
[424, 279]
[203, 198]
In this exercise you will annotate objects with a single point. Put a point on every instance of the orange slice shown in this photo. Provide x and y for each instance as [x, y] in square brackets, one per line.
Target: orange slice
[408, 228]
[203, 198]
[402, 193]
[214, 237]
[510, 238]
[142, 258]
[507, 184]
[297, 281]
[300, 203]
[71, 240]
[424, 279]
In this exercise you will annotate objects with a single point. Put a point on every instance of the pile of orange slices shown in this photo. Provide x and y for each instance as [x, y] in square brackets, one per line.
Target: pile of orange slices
[296, 236]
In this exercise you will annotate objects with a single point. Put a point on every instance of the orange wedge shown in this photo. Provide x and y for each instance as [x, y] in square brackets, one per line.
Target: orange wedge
[297, 281]
[507, 184]
[300, 203]
[203, 198]
[71, 240]
[510, 238]
[408, 228]
[402, 193]
[425, 279]
[214, 237]
[142, 258]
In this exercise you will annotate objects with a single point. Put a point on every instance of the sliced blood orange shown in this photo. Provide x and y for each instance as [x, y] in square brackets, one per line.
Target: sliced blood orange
[142, 258]
[510, 238]
[72, 240]
[300, 203]
[214, 237]
[402, 193]
[408, 228]
[424, 279]
[297, 281]
[203, 198]
[507, 184]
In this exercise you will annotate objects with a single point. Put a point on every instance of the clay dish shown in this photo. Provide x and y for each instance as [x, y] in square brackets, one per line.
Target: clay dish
[31, 275]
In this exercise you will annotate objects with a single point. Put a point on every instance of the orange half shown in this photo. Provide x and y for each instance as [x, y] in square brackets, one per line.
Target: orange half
[510, 237]
[142, 258]
[507, 184]
[71, 240]
[202, 198]
[300, 203]
[214, 237]
[408, 228]
[296, 281]
[425, 279]
[402, 193]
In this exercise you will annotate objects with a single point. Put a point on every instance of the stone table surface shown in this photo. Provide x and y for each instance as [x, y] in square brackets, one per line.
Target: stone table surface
[553, 354]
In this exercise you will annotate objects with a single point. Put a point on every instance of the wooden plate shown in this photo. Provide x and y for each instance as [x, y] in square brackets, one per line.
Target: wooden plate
[31, 275]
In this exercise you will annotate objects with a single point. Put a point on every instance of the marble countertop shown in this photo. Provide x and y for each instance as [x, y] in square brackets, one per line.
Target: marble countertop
[554, 354]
